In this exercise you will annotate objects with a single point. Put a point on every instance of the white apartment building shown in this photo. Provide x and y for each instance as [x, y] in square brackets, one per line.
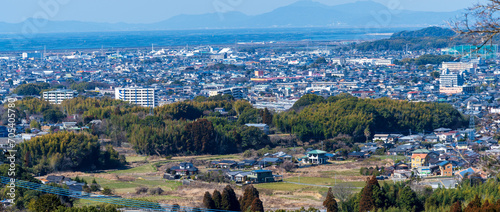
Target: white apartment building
[57, 96]
[458, 66]
[145, 97]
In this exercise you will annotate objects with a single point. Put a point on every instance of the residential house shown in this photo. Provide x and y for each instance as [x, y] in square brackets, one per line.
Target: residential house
[261, 176]
[315, 157]
[185, 169]
[446, 168]
[420, 158]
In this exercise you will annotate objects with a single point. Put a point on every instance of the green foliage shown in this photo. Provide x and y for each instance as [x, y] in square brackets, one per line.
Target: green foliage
[81, 87]
[53, 115]
[103, 208]
[65, 151]
[427, 59]
[45, 203]
[31, 88]
[352, 116]
[307, 100]
[208, 202]
[229, 201]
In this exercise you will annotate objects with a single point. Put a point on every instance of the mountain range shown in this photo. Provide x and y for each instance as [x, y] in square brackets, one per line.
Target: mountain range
[304, 13]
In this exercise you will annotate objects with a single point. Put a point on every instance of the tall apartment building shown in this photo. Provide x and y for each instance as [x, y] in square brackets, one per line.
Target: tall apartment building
[145, 97]
[57, 96]
[448, 79]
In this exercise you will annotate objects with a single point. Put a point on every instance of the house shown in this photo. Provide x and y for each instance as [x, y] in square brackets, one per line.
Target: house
[446, 168]
[315, 157]
[401, 149]
[261, 176]
[265, 162]
[468, 172]
[419, 157]
[54, 179]
[242, 177]
[185, 169]
[358, 155]
[263, 127]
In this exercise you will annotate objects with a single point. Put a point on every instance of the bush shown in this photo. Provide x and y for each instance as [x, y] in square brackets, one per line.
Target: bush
[140, 190]
[107, 191]
[156, 191]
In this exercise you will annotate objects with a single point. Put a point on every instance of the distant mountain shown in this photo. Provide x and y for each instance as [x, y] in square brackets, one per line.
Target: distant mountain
[426, 32]
[427, 38]
[305, 13]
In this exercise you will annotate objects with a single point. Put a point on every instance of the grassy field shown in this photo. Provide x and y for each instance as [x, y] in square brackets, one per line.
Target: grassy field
[120, 187]
[132, 159]
[148, 168]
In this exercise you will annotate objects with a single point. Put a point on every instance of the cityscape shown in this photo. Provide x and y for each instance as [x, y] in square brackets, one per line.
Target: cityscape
[287, 106]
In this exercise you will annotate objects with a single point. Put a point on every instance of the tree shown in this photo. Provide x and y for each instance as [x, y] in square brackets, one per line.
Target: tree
[330, 203]
[267, 117]
[408, 200]
[217, 197]
[342, 191]
[474, 205]
[208, 202]
[229, 200]
[53, 115]
[367, 202]
[257, 206]
[480, 23]
[34, 124]
[107, 191]
[45, 203]
[249, 195]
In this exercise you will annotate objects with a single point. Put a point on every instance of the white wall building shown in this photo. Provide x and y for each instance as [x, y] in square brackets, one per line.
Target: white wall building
[57, 96]
[145, 97]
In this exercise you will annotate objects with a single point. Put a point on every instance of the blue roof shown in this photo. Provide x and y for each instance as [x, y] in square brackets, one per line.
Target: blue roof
[443, 163]
[469, 170]
[272, 160]
[261, 171]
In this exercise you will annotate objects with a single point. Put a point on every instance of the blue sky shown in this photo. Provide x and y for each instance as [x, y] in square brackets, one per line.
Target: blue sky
[149, 11]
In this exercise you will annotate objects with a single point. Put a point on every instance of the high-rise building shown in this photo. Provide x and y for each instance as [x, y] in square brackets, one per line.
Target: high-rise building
[448, 79]
[57, 96]
[145, 97]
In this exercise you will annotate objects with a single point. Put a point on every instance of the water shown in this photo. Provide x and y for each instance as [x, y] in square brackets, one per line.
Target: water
[96, 40]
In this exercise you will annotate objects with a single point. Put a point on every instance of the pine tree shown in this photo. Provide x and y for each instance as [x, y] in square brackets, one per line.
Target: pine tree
[208, 202]
[217, 197]
[456, 207]
[330, 203]
[229, 200]
[249, 196]
[367, 202]
[257, 206]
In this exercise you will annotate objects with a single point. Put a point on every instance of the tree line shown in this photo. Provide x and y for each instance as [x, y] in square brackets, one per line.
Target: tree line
[314, 117]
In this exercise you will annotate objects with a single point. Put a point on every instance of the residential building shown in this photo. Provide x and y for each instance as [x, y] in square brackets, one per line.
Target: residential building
[448, 79]
[446, 168]
[263, 127]
[316, 157]
[419, 157]
[58, 96]
[261, 176]
[145, 97]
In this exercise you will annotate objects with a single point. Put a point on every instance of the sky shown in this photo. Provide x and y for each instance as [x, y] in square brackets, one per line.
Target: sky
[150, 11]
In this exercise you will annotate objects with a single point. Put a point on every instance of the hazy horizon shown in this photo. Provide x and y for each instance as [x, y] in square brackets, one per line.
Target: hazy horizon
[151, 11]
